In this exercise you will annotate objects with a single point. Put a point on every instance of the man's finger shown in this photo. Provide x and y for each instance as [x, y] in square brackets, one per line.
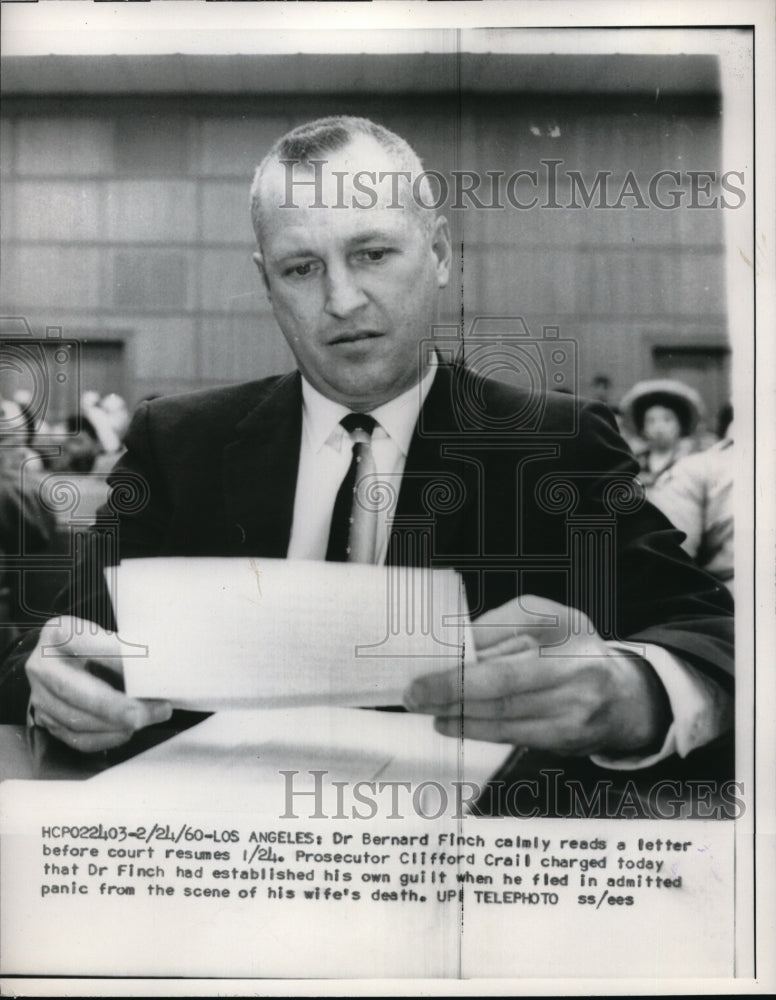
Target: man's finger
[55, 724]
[540, 618]
[73, 638]
[539, 705]
[87, 742]
[82, 692]
[75, 717]
[523, 615]
[530, 733]
[49, 709]
[501, 678]
[517, 642]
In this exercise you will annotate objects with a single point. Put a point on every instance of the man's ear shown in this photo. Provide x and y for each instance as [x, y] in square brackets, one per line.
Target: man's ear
[258, 260]
[442, 248]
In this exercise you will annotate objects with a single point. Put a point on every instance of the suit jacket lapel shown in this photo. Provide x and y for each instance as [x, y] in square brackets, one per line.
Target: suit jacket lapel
[260, 470]
[261, 466]
[428, 476]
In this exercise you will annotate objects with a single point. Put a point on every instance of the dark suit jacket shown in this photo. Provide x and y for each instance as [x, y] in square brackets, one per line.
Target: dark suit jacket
[521, 493]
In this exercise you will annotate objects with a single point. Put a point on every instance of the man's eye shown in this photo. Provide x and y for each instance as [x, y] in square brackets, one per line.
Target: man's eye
[373, 256]
[300, 270]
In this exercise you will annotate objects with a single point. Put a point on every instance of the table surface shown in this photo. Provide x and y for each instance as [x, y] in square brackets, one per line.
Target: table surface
[32, 753]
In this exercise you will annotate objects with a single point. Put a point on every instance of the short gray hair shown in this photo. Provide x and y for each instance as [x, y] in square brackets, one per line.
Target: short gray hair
[328, 135]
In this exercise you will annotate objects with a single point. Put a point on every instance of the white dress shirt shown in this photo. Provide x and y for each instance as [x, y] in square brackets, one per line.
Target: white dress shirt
[324, 458]
[701, 709]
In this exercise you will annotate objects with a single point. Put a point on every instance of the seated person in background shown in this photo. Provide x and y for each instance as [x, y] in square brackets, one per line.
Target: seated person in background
[255, 470]
[16, 437]
[664, 413]
[118, 414]
[79, 446]
[110, 418]
[601, 391]
[696, 493]
[26, 528]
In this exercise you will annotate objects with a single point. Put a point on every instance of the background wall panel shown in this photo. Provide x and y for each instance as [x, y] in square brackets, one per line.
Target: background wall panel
[126, 215]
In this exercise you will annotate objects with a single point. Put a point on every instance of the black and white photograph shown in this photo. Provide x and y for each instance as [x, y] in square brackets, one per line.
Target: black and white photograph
[386, 477]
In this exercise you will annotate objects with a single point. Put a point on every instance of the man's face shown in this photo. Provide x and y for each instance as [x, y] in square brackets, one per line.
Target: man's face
[354, 290]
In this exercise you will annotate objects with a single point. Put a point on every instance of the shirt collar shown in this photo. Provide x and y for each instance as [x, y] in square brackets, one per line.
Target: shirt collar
[397, 418]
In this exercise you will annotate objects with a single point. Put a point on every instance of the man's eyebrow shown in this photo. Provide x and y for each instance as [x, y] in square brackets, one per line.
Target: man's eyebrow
[373, 236]
[291, 254]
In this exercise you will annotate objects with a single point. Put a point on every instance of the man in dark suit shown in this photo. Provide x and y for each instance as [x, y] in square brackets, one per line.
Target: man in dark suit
[594, 634]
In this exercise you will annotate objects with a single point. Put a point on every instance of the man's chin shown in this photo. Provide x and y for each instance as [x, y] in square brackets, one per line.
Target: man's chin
[364, 393]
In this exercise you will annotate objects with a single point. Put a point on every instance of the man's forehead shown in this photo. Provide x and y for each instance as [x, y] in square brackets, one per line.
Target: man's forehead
[303, 206]
[304, 230]
[340, 176]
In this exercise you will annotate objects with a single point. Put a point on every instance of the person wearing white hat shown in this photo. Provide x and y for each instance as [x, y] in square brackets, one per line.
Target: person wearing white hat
[664, 413]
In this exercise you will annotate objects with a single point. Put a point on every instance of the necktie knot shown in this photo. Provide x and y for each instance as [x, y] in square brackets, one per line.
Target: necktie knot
[359, 422]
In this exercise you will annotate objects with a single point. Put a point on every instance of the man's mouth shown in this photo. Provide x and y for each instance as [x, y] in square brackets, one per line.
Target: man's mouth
[354, 336]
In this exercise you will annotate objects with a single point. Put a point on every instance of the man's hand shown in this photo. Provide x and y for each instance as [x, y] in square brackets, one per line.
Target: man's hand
[545, 679]
[69, 696]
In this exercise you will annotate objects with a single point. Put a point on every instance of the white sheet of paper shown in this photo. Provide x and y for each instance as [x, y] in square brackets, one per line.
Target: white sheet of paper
[242, 755]
[216, 633]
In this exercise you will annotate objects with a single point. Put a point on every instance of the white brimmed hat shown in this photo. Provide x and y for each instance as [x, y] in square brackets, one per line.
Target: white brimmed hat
[668, 392]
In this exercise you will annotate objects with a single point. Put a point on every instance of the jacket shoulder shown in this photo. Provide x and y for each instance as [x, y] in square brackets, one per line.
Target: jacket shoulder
[522, 408]
[194, 426]
[229, 403]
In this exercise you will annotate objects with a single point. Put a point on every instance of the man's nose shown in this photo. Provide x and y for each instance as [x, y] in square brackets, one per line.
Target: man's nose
[343, 293]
